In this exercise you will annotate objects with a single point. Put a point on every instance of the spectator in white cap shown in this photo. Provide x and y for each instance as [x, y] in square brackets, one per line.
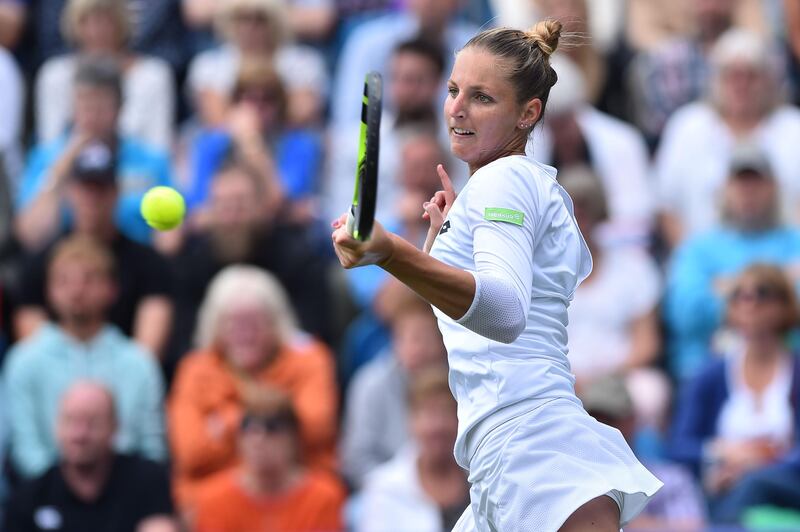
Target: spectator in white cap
[743, 104]
[575, 133]
[702, 272]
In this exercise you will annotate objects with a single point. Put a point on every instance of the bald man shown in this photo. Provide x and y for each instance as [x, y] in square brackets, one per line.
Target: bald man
[92, 487]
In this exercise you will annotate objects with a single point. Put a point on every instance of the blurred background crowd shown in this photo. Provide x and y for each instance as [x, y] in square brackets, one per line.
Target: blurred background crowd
[228, 375]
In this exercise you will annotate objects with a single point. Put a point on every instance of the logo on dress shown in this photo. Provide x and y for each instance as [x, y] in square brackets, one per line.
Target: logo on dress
[48, 518]
[445, 227]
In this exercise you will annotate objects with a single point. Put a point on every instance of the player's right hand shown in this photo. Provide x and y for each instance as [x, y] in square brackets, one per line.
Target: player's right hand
[353, 253]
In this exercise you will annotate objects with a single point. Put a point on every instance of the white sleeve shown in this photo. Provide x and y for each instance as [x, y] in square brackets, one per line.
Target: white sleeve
[503, 254]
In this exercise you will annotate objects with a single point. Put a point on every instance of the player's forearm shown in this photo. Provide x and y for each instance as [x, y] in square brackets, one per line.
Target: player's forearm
[449, 289]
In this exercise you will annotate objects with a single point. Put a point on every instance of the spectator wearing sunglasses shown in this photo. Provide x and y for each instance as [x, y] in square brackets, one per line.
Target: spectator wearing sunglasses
[270, 490]
[742, 412]
[701, 274]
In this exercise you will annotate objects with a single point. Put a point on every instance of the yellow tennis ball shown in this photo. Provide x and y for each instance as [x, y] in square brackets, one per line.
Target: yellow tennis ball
[163, 208]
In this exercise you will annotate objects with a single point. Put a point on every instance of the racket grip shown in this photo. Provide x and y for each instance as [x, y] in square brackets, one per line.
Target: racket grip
[350, 224]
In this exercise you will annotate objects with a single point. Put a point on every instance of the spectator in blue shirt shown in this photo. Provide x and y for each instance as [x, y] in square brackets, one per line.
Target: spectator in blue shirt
[80, 345]
[98, 100]
[701, 274]
[288, 160]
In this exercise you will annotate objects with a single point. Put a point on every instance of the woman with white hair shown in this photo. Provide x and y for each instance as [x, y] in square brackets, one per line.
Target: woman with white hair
[743, 105]
[105, 27]
[247, 342]
[259, 30]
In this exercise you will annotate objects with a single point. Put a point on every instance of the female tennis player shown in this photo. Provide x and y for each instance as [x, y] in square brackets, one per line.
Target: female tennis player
[505, 258]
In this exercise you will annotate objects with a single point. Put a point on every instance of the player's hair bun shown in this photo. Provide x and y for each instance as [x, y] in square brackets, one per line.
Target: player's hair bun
[546, 34]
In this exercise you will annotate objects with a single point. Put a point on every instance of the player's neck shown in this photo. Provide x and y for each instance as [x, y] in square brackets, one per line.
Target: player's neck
[515, 146]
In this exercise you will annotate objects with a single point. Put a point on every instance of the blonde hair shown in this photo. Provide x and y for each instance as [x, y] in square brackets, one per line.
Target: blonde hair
[84, 249]
[78, 9]
[274, 11]
[235, 283]
[528, 53]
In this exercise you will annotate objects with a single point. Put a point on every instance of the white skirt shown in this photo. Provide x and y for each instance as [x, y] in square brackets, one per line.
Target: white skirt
[532, 472]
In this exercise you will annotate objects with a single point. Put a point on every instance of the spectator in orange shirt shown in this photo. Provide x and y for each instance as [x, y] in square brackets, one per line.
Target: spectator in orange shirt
[271, 491]
[248, 339]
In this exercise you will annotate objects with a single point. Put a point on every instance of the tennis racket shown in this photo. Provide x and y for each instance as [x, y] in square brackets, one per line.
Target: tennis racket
[361, 216]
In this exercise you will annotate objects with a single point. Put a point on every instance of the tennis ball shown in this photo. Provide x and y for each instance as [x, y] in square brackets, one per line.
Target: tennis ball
[163, 208]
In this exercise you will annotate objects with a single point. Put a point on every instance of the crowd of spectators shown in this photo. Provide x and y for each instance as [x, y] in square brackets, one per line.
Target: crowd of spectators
[228, 375]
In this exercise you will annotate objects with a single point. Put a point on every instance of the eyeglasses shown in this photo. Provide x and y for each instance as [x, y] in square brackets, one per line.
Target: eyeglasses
[269, 424]
[758, 294]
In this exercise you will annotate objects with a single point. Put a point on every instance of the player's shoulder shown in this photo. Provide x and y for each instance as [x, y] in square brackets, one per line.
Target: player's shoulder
[518, 178]
[518, 171]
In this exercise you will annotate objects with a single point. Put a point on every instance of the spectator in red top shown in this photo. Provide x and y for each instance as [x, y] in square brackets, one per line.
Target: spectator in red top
[271, 491]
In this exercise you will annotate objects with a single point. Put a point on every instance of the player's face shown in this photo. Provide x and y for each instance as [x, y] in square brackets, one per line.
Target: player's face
[482, 112]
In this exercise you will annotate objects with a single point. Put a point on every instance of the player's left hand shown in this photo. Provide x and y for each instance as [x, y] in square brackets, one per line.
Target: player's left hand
[353, 253]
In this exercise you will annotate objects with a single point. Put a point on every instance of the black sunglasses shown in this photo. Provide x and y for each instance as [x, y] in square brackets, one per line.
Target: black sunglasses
[759, 294]
[269, 424]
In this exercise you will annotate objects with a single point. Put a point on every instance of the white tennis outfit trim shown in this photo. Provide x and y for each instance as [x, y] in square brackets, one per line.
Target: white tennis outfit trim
[533, 453]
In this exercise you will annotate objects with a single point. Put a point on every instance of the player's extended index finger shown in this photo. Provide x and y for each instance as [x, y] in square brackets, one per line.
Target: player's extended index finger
[445, 179]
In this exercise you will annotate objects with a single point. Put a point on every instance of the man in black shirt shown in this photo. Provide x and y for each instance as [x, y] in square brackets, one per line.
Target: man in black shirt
[92, 488]
[143, 309]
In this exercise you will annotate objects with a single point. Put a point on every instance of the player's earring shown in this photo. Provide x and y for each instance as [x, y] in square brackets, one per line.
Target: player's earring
[524, 126]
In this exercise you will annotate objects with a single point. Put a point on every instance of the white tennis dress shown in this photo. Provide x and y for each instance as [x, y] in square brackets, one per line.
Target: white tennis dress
[533, 453]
